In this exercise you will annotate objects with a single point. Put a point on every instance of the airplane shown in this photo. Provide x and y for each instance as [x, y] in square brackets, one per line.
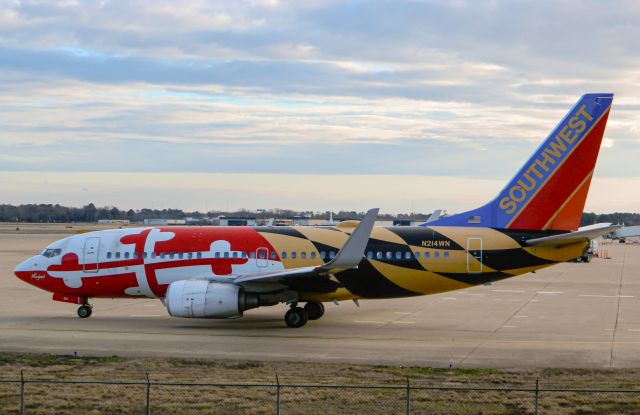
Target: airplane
[220, 272]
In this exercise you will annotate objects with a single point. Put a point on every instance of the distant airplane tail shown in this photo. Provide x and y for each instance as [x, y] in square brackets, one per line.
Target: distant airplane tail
[550, 190]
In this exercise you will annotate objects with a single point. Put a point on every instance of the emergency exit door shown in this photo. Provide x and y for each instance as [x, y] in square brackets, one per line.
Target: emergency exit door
[474, 255]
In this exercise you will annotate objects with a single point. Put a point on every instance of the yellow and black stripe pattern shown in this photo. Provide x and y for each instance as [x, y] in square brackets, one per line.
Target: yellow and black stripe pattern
[410, 261]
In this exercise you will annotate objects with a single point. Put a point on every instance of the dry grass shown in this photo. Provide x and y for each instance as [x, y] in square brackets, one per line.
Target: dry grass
[43, 398]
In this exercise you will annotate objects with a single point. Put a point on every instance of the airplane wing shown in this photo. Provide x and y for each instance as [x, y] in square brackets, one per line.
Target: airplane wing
[628, 232]
[347, 258]
[586, 233]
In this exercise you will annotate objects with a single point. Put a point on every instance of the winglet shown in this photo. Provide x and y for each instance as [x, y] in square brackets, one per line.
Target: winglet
[353, 250]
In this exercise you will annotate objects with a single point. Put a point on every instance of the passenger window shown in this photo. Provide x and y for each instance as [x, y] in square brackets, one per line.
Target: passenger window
[417, 254]
[323, 254]
[170, 255]
[303, 255]
[446, 255]
[190, 255]
[180, 255]
[407, 255]
[379, 255]
[153, 254]
[294, 255]
[226, 254]
[162, 255]
[313, 255]
[370, 255]
[234, 254]
[398, 255]
[436, 255]
[144, 255]
[261, 255]
[108, 255]
[135, 255]
[283, 255]
[244, 254]
[217, 255]
[272, 255]
[126, 255]
[252, 254]
[332, 254]
[117, 255]
[389, 256]
[426, 255]
[199, 255]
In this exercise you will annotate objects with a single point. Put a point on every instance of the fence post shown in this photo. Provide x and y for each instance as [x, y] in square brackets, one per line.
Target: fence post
[148, 395]
[21, 392]
[408, 398]
[535, 408]
[277, 395]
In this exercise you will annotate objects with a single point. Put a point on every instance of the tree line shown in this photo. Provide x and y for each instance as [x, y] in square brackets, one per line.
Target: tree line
[55, 213]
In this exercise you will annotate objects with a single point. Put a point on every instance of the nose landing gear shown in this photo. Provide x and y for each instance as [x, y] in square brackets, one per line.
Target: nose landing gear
[84, 310]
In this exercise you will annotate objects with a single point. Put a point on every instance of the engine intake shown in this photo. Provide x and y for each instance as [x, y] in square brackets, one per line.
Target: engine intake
[207, 299]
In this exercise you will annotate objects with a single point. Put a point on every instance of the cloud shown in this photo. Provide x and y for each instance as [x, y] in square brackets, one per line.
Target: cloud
[608, 142]
[416, 88]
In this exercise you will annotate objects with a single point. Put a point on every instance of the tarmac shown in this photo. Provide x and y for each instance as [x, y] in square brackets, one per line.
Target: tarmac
[572, 315]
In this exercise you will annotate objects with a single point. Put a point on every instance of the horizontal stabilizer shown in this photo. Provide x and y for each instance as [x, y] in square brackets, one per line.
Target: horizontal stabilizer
[585, 233]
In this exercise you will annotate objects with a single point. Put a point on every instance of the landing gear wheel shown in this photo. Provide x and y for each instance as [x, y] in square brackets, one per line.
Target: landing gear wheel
[296, 317]
[314, 310]
[84, 311]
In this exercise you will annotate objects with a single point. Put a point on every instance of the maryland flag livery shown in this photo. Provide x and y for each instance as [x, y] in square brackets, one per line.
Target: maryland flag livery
[220, 272]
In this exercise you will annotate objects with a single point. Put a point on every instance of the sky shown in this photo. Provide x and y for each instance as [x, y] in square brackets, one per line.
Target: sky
[409, 106]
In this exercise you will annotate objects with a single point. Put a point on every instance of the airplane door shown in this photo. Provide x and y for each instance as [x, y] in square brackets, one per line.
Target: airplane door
[91, 248]
[474, 255]
[262, 259]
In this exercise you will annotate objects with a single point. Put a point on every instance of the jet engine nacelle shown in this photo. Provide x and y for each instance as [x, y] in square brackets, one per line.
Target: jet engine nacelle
[207, 299]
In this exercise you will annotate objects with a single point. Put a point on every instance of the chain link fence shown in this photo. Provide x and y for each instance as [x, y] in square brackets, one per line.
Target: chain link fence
[145, 397]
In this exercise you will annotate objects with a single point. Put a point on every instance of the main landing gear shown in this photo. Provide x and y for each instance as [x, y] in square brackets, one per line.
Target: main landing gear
[298, 316]
[84, 310]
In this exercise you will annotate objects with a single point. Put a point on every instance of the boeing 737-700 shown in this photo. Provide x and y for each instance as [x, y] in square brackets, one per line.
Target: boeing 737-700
[220, 272]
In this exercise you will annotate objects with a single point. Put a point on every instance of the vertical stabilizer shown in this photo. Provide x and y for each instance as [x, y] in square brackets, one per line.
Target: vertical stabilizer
[550, 190]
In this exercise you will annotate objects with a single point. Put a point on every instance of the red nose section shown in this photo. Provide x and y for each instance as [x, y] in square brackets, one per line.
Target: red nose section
[28, 272]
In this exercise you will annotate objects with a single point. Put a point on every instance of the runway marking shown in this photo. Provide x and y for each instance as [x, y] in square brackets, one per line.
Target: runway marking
[509, 327]
[550, 292]
[522, 316]
[449, 298]
[404, 313]
[509, 291]
[145, 315]
[370, 321]
[607, 296]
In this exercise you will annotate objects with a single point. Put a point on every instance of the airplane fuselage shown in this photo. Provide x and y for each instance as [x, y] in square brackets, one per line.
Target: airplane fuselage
[398, 261]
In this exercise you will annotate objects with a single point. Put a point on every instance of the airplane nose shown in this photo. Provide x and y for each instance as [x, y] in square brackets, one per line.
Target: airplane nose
[22, 269]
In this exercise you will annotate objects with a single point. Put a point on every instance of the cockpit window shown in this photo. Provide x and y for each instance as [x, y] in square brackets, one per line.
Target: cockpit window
[50, 253]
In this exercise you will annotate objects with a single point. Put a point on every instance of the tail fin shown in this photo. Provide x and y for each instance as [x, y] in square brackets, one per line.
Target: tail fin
[550, 190]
